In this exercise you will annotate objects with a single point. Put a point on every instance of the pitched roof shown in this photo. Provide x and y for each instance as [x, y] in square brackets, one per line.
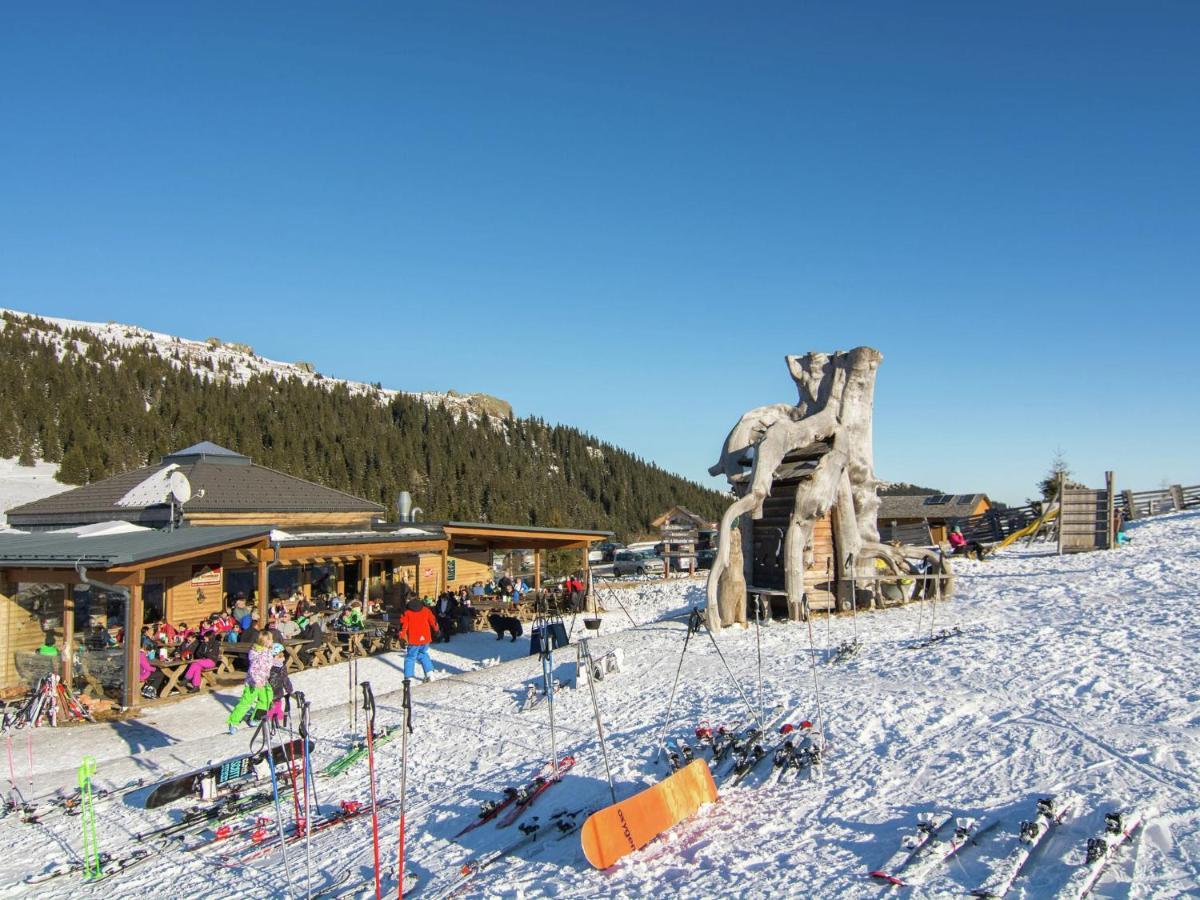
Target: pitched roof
[677, 511]
[49, 549]
[931, 506]
[230, 482]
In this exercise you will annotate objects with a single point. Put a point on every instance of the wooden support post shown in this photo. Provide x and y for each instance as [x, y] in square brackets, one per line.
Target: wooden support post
[262, 590]
[1062, 511]
[131, 690]
[1110, 499]
[537, 570]
[66, 654]
[365, 564]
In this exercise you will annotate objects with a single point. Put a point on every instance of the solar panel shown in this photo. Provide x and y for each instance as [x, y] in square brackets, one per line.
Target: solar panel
[937, 499]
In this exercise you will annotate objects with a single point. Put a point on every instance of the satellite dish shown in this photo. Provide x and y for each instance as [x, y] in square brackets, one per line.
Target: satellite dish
[179, 487]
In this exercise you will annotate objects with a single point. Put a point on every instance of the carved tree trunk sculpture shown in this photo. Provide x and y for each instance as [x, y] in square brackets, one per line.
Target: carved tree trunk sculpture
[731, 592]
[834, 409]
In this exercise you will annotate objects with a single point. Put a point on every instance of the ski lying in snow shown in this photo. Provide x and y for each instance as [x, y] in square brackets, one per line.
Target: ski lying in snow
[357, 753]
[1118, 826]
[347, 811]
[560, 824]
[928, 825]
[612, 833]
[109, 866]
[940, 850]
[69, 804]
[535, 693]
[196, 818]
[748, 758]
[211, 780]
[490, 809]
[1051, 811]
[845, 650]
[935, 638]
[794, 756]
[527, 795]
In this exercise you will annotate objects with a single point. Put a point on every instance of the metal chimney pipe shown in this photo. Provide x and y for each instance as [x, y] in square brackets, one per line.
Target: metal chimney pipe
[404, 506]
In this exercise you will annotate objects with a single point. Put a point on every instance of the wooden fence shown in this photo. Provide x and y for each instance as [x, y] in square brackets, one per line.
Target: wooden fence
[1140, 504]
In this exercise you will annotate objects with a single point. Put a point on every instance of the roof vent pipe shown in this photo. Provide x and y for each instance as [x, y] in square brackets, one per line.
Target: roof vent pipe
[404, 506]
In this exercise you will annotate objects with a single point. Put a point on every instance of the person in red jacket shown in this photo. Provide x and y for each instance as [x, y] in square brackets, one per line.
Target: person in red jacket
[418, 628]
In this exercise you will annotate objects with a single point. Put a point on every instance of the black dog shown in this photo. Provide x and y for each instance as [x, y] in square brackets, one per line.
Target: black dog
[505, 624]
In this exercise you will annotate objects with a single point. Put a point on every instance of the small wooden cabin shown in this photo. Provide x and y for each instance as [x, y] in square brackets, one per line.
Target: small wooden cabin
[897, 514]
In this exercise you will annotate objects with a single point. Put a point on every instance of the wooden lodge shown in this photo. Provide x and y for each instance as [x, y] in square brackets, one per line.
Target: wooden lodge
[116, 554]
[926, 519]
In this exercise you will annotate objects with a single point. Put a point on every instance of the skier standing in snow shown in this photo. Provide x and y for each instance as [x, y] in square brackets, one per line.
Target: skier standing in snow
[257, 693]
[418, 628]
[281, 684]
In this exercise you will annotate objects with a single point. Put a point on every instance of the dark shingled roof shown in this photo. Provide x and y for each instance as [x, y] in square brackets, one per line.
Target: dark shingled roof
[230, 481]
[948, 506]
[48, 549]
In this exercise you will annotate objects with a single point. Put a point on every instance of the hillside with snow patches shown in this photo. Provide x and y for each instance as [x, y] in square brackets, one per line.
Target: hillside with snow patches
[216, 359]
[1070, 674]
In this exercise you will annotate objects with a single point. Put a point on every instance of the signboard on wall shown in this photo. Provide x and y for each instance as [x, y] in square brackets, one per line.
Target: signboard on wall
[426, 572]
[451, 568]
[206, 576]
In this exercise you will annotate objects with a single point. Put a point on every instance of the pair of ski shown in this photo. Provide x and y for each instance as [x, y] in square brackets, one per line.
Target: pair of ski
[535, 693]
[110, 865]
[347, 811]
[358, 752]
[752, 752]
[69, 804]
[1118, 827]
[927, 847]
[197, 818]
[516, 801]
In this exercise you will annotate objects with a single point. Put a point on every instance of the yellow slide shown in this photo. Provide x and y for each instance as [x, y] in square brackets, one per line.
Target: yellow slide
[1029, 529]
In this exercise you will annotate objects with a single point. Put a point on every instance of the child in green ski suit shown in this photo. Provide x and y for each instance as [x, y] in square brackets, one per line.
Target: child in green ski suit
[257, 693]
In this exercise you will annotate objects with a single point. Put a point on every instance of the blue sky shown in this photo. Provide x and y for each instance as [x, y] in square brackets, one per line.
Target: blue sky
[623, 216]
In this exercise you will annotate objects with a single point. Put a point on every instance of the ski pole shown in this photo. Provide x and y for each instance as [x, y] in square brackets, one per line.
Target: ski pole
[405, 729]
[369, 725]
[263, 736]
[662, 735]
[302, 704]
[91, 854]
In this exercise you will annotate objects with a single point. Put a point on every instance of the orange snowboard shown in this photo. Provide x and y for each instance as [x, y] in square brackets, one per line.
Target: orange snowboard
[617, 830]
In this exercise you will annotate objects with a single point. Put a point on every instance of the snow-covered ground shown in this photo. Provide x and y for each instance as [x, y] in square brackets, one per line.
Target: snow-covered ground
[24, 484]
[1074, 673]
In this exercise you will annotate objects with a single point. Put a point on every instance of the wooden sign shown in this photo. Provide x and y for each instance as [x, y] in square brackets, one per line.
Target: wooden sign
[206, 576]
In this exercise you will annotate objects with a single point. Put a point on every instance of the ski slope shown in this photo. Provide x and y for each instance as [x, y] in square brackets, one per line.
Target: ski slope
[1074, 673]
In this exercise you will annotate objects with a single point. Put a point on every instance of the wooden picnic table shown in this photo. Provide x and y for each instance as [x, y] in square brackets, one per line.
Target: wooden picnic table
[173, 669]
[523, 610]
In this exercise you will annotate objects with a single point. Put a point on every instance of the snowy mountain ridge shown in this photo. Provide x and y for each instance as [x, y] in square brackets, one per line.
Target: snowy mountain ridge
[217, 360]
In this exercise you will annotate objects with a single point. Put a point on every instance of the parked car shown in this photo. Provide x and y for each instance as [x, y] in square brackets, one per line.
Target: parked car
[603, 552]
[637, 562]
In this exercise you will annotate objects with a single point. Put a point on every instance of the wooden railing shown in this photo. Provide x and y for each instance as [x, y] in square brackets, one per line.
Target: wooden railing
[1140, 504]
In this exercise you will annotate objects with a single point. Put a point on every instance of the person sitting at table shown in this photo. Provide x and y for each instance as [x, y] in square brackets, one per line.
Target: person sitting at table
[98, 638]
[352, 617]
[489, 589]
[446, 613]
[313, 634]
[287, 627]
[249, 635]
[207, 655]
[147, 640]
[518, 588]
[152, 679]
[467, 614]
[505, 585]
[477, 589]
[240, 613]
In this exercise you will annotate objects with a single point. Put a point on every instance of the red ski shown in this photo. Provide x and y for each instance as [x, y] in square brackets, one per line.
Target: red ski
[527, 795]
[492, 808]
